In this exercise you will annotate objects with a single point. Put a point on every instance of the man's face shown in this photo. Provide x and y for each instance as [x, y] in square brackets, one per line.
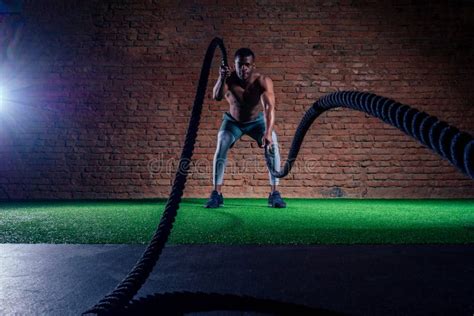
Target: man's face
[244, 67]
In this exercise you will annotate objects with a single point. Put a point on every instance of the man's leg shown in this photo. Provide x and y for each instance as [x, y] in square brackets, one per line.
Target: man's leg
[274, 199]
[256, 131]
[224, 141]
[275, 158]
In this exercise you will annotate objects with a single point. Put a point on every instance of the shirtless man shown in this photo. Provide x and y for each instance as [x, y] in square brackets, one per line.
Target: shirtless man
[244, 89]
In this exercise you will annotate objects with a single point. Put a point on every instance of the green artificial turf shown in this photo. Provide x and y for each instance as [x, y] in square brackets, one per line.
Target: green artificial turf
[242, 221]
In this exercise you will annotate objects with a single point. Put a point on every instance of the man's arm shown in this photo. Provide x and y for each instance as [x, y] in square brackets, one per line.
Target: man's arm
[268, 102]
[220, 88]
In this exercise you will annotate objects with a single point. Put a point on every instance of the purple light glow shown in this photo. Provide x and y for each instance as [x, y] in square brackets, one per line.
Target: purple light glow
[2, 96]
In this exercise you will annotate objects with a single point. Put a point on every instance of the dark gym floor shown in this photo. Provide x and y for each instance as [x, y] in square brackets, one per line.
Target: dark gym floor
[357, 280]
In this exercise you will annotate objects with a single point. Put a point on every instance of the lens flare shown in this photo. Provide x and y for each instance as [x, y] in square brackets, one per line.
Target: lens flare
[2, 96]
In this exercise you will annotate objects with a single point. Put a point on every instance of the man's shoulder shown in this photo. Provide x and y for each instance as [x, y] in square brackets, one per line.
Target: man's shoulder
[264, 80]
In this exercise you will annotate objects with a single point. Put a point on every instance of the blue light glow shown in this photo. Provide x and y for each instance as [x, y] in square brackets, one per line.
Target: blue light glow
[2, 96]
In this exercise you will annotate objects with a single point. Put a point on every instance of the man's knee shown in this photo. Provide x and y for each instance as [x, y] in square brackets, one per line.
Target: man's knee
[225, 138]
[274, 150]
[274, 138]
[224, 141]
[220, 162]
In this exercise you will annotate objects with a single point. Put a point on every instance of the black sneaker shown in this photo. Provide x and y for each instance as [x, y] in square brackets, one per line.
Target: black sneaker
[215, 200]
[275, 200]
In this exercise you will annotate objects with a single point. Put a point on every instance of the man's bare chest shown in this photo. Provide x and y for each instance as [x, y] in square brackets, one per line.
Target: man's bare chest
[249, 96]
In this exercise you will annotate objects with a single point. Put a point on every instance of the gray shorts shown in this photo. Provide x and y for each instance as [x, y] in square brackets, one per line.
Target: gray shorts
[254, 129]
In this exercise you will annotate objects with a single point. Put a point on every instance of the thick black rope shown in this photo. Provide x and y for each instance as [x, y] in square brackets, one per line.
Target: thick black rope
[447, 141]
[182, 303]
[132, 283]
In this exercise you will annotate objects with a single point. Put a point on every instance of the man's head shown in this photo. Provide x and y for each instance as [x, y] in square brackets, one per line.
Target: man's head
[244, 63]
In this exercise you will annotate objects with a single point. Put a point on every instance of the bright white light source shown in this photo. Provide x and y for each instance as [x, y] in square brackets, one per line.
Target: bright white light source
[1, 98]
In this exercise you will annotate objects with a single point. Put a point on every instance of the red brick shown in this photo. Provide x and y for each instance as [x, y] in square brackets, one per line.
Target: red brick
[114, 91]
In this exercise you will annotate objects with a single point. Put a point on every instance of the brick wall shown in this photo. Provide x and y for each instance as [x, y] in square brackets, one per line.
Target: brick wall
[102, 94]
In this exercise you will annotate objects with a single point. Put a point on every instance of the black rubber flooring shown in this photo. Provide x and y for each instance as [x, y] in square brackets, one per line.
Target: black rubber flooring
[355, 280]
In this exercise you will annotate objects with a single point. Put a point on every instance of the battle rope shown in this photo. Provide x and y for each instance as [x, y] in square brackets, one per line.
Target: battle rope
[180, 303]
[447, 141]
[129, 286]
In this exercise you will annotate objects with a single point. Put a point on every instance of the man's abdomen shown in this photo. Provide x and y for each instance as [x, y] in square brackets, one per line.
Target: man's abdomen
[243, 115]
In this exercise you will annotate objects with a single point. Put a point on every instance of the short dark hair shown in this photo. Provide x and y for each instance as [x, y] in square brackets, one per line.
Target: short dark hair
[244, 52]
